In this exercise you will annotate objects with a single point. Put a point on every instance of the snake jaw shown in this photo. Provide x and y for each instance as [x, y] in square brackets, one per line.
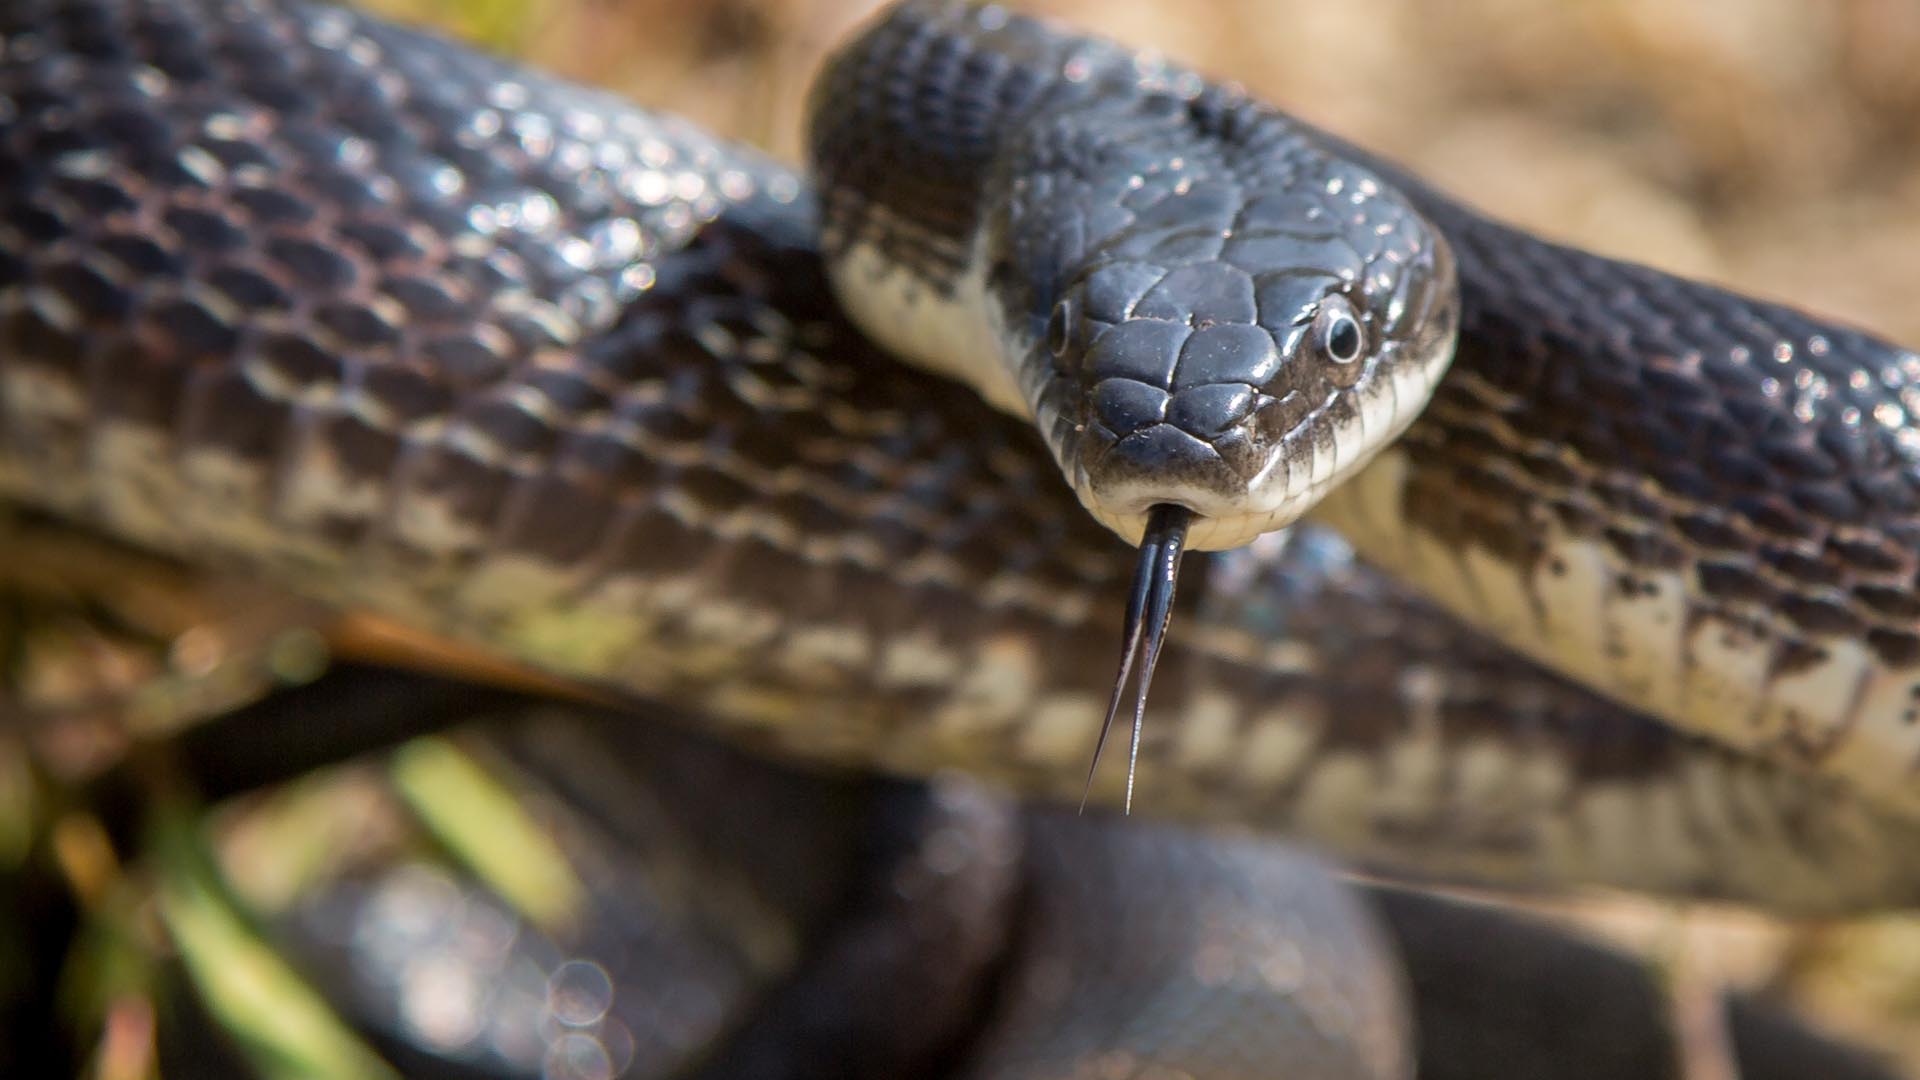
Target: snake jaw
[1149, 609]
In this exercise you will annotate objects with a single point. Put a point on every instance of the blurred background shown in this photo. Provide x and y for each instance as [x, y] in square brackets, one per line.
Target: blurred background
[1767, 144]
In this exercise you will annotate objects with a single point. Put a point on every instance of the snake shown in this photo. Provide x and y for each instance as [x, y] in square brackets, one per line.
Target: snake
[289, 292]
[1696, 501]
[1162, 284]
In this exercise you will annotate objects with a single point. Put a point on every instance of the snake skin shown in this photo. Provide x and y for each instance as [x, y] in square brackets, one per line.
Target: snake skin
[287, 291]
[1701, 503]
[687, 478]
[1701, 475]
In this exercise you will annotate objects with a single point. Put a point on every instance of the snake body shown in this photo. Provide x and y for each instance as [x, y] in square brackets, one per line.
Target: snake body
[1701, 503]
[517, 362]
[288, 291]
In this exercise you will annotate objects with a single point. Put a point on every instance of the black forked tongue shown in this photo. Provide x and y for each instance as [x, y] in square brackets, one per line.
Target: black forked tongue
[1148, 609]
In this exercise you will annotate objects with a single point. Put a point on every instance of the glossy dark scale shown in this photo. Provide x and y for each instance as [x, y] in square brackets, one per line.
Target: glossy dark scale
[1795, 444]
[891, 150]
[721, 434]
[196, 204]
[1183, 318]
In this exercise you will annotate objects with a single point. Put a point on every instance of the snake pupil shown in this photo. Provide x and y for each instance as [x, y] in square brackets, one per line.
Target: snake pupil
[1343, 340]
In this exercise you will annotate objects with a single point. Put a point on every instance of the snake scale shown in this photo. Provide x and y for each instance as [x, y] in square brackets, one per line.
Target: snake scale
[288, 291]
[1702, 503]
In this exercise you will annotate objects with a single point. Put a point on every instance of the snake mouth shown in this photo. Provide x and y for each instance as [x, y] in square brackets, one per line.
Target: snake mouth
[1149, 609]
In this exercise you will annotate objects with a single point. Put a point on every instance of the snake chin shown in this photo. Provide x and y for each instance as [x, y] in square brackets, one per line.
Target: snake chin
[1205, 532]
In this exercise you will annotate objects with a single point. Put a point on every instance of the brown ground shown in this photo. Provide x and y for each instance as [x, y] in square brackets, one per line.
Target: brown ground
[1769, 144]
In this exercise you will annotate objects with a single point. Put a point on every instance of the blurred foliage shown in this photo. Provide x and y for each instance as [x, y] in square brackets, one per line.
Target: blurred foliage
[283, 1025]
[488, 831]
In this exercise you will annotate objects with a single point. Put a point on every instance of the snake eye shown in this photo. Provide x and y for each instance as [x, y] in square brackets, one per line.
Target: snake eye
[1059, 328]
[1341, 338]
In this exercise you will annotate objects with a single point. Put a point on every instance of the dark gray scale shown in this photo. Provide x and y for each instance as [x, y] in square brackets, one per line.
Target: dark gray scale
[1217, 236]
[1773, 440]
[247, 212]
[889, 148]
[570, 449]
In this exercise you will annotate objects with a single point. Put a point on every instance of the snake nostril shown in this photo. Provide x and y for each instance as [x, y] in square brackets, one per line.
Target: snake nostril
[1059, 332]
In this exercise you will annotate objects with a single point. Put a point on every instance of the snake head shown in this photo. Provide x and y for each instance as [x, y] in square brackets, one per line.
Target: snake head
[1235, 324]
[1201, 301]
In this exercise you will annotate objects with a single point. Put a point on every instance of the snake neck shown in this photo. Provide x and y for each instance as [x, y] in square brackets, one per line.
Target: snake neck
[901, 175]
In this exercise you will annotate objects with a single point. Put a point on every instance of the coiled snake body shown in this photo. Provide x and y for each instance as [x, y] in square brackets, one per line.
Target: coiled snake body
[288, 290]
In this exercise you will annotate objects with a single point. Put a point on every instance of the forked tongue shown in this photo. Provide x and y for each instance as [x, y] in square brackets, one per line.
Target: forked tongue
[1149, 607]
